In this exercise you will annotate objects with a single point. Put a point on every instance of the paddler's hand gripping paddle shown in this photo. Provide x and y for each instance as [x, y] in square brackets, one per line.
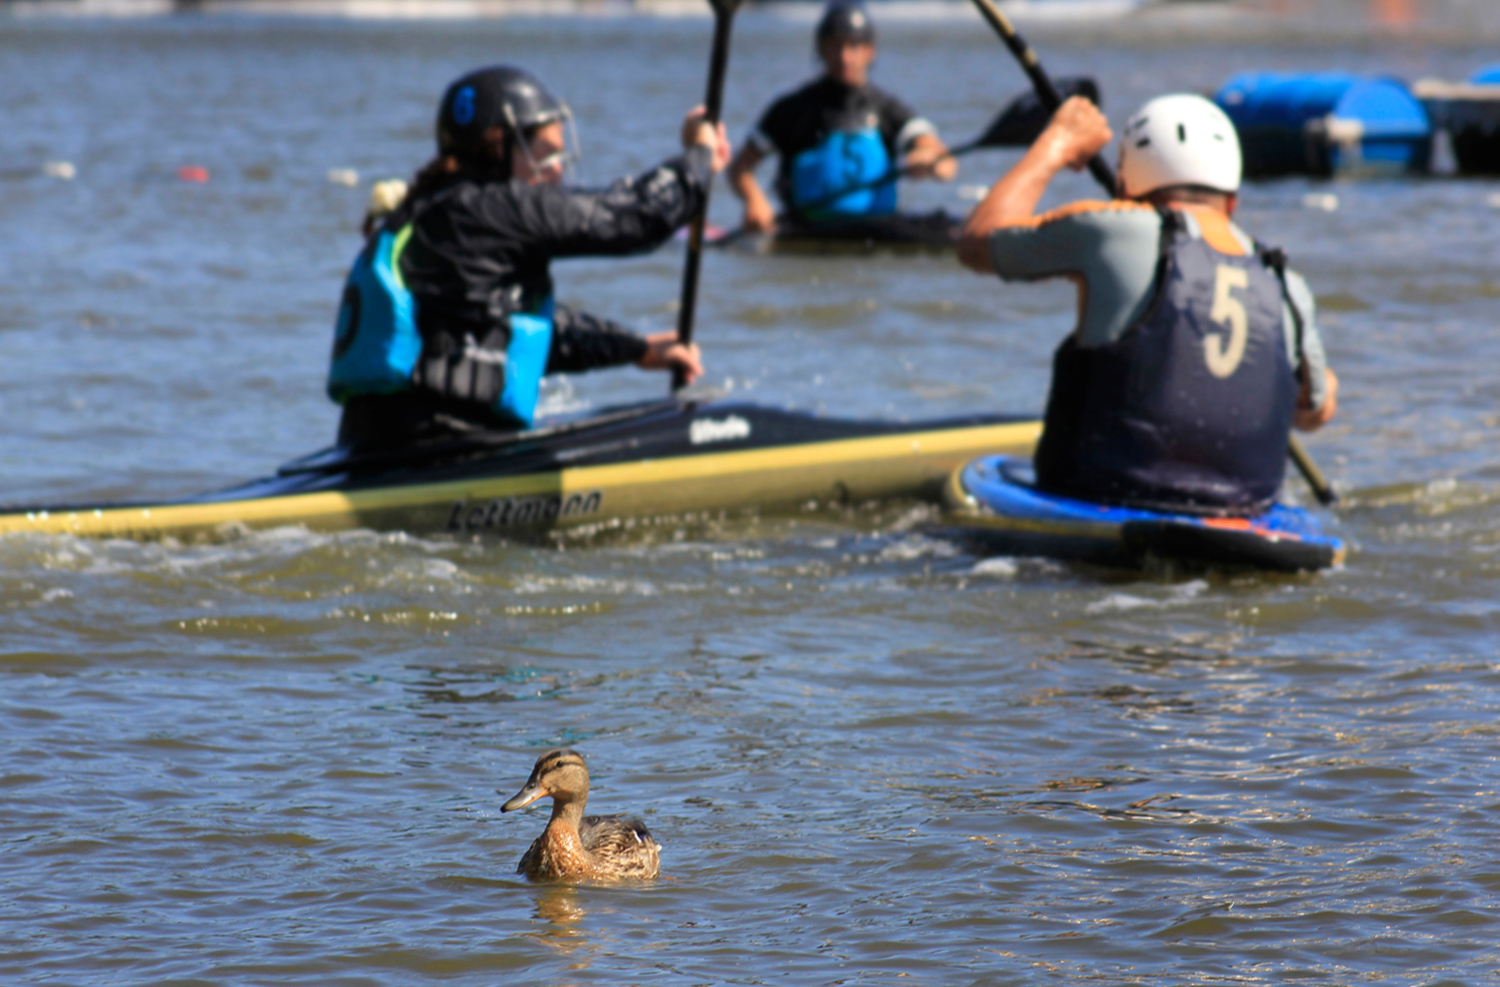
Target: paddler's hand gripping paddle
[1105, 176]
[713, 103]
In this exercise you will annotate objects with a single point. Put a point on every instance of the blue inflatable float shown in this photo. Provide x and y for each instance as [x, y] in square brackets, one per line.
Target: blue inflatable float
[993, 500]
[1326, 123]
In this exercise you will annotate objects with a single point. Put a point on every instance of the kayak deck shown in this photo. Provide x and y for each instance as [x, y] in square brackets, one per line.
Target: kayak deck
[657, 459]
[993, 501]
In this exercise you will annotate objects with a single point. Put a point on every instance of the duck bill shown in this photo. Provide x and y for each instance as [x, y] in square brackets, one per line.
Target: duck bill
[525, 797]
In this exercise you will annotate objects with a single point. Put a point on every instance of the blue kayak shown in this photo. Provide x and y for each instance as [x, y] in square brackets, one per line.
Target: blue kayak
[994, 499]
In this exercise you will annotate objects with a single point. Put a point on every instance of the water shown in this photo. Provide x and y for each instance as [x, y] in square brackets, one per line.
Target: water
[871, 757]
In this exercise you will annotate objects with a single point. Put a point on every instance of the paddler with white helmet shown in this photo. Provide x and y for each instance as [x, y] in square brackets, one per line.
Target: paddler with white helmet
[448, 320]
[1196, 349]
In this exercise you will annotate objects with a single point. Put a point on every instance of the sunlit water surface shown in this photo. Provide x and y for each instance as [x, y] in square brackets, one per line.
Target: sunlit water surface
[871, 757]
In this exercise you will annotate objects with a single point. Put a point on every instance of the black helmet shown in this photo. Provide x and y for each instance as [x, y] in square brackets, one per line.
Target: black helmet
[499, 96]
[846, 20]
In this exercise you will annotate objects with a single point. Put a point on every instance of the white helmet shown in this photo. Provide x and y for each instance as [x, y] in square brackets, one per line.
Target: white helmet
[1179, 140]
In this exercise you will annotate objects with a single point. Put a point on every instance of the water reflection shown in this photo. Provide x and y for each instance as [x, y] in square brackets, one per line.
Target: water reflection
[558, 915]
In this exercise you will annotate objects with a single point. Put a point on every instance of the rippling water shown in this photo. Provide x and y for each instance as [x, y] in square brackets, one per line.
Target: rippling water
[871, 757]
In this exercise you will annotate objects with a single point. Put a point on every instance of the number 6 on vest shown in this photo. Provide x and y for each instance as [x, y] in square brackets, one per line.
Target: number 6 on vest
[1230, 312]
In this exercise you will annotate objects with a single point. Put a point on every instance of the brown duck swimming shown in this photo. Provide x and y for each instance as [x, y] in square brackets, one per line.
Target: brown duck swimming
[575, 846]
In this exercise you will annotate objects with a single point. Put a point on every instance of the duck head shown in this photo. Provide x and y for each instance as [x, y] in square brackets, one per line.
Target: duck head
[559, 773]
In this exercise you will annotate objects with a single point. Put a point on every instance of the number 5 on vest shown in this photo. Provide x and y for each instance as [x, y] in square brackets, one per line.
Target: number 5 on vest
[1229, 312]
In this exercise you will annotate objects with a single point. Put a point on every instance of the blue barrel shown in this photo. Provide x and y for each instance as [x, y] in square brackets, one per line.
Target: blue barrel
[1326, 123]
[1487, 76]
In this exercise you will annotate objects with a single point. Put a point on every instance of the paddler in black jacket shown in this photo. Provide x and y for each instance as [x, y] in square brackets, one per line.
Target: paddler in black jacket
[836, 132]
[448, 321]
[1196, 349]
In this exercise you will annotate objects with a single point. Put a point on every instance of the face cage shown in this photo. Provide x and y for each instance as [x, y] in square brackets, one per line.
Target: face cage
[568, 157]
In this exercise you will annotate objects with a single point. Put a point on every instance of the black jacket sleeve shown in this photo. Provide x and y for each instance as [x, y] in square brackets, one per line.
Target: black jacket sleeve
[631, 216]
[586, 342]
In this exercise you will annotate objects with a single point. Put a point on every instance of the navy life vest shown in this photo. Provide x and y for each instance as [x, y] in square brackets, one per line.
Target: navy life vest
[378, 348]
[1191, 408]
[845, 159]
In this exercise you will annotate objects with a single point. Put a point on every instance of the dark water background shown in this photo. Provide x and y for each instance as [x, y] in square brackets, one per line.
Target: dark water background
[871, 757]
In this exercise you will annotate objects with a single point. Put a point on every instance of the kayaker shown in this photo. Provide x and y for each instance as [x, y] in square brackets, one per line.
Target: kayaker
[1196, 349]
[838, 131]
[448, 321]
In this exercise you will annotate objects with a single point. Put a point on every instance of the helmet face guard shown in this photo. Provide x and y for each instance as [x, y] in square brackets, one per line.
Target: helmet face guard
[570, 154]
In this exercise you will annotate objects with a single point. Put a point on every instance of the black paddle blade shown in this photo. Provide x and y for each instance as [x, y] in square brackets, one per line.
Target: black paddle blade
[1023, 121]
[724, 6]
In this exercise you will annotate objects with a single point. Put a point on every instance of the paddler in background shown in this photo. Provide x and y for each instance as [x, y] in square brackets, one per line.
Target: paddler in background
[1196, 349]
[448, 322]
[836, 132]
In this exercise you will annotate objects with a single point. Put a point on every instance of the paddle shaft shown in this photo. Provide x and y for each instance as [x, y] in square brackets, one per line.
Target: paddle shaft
[718, 66]
[1321, 488]
[1105, 176]
[1040, 80]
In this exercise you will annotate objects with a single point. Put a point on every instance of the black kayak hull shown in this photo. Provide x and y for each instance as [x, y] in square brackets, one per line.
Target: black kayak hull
[654, 460]
[901, 233]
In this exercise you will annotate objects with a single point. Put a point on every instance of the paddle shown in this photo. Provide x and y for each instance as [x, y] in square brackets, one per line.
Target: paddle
[1321, 488]
[718, 65]
[1018, 125]
[1105, 176]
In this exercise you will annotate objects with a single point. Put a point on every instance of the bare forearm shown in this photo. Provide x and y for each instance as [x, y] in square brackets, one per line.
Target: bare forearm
[1013, 199]
[929, 158]
[1075, 135]
[745, 186]
[741, 173]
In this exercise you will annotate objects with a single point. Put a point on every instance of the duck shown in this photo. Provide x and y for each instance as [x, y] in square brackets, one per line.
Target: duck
[575, 847]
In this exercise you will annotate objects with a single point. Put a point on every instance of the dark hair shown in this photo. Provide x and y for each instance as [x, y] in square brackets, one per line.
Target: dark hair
[1200, 194]
[494, 159]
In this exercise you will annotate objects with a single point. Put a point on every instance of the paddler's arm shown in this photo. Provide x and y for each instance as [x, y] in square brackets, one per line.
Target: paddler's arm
[914, 139]
[631, 216]
[1077, 132]
[926, 159]
[582, 342]
[760, 214]
[1317, 401]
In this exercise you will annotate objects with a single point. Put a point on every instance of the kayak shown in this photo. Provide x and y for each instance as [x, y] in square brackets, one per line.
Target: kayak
[902, 232]
[994, 501]
[660, 458]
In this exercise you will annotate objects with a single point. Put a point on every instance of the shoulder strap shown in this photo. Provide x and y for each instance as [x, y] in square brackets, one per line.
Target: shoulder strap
[1275, 259]
[1171, 225]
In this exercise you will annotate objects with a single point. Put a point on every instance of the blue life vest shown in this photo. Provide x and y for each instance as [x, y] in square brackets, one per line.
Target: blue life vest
[375, 339]
[496, 374]
[378, 348]
[525, 363]
[845, 159]
[1191, 408]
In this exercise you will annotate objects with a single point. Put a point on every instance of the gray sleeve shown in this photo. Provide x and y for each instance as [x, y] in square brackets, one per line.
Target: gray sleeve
[915, 127]
[1113, 251]
[1312, 341]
